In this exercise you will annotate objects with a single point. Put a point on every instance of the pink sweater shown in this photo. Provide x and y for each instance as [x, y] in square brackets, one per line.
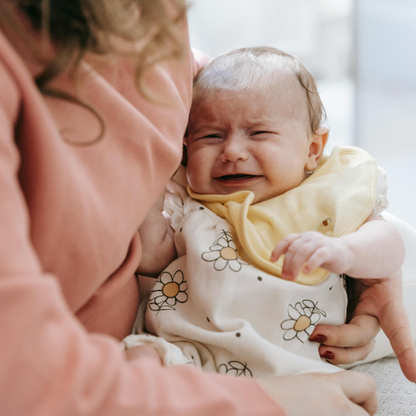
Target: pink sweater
[69, 248]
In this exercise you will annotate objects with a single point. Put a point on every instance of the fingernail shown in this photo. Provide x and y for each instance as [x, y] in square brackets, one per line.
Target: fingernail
[328, 355]
[318, 338]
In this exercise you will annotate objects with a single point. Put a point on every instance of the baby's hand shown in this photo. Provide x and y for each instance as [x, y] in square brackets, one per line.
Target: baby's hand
[157, 238]
[307, 251]
[142, 351]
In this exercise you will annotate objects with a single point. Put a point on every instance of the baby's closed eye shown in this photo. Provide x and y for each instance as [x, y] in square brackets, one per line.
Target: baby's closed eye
[260, 134]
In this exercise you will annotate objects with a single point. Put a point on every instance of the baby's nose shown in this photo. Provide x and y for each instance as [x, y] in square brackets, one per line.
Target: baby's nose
[234, 149]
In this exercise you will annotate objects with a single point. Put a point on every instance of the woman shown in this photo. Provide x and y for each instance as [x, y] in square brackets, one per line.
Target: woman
[83, 157]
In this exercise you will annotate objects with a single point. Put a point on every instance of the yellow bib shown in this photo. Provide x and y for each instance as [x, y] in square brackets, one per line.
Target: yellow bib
[335, 200]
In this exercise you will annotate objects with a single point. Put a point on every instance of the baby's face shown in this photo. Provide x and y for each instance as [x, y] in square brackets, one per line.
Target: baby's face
[249, 140]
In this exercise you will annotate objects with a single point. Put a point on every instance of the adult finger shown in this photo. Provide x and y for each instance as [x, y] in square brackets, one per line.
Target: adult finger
[384, 299]
[360, 388]
[361, 330]
[338, 355]
[395, 324]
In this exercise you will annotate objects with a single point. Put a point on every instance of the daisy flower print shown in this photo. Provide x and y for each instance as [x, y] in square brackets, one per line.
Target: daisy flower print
[236, 369]
[224, 253]
[168, 291]
[303, 318]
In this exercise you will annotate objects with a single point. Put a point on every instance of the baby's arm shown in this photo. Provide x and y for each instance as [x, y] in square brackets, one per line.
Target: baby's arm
[157, 237]
[374, 251]
[376, 248]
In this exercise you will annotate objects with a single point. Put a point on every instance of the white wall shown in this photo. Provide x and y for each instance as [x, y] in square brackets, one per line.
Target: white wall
[386, 100]
[363, 55]
[316, 31]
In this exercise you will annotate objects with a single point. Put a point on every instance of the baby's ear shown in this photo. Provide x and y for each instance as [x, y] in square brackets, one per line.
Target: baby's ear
[316, 147]
[323, 132]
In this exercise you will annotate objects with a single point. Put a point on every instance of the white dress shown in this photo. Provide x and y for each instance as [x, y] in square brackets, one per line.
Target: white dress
[228, 316]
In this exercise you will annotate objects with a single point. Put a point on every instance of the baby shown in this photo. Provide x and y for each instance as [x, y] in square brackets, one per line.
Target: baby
[271, 226]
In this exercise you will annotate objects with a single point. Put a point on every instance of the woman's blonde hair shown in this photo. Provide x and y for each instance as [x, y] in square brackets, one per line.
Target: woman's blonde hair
[144, 31]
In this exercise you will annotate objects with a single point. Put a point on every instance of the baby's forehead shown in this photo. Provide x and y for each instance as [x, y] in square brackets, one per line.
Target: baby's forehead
[280, 89]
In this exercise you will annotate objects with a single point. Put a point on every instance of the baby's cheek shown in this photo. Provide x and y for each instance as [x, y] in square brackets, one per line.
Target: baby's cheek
[195, 174]
[199, 168]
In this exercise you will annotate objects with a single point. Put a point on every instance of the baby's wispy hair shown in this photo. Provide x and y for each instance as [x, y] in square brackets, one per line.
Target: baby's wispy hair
[248, 68]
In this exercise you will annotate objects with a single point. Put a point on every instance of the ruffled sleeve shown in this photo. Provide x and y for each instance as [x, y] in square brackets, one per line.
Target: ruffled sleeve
[381, 201]
[175, 197]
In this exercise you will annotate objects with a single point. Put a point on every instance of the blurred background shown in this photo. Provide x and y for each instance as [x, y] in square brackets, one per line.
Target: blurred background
[362, 54]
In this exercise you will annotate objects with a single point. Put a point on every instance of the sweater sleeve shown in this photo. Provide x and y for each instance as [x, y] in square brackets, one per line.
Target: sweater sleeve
[49, 364]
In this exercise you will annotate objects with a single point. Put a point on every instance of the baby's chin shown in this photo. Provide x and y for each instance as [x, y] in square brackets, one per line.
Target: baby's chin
[202, 191]
[207, 189]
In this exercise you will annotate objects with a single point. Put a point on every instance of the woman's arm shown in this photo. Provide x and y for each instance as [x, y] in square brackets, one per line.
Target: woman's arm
[49, 363]
[342, 394]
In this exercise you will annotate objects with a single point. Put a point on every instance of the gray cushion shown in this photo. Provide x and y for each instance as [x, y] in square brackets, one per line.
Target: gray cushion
[396, 394]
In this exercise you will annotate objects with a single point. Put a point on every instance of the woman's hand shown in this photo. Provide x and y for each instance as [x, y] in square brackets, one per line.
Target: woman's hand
[379, 300]
[348, 343]
[347, 393]
[384, 299]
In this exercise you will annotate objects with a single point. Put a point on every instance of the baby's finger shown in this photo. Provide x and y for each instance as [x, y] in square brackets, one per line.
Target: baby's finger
[338, 355]
[296, 256]
[282, 246]
[361, 330]
[318, 258]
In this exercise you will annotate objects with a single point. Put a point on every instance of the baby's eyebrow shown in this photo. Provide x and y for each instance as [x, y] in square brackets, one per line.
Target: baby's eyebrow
[270, 122]
[206, 126]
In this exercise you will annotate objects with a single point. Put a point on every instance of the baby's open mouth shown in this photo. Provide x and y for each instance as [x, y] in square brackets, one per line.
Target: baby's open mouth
[236, 177]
